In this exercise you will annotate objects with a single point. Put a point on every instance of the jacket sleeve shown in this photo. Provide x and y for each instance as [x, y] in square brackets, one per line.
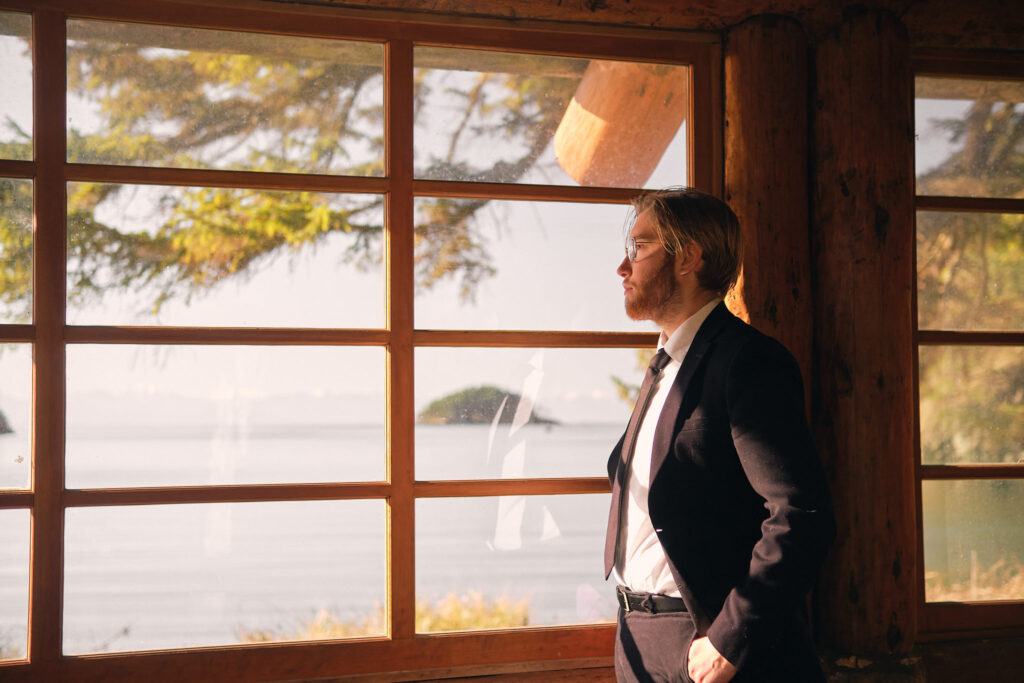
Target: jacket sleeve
[764, 397]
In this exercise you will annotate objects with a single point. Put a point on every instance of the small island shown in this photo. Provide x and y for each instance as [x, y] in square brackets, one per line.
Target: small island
[5, 426]
[476, 405]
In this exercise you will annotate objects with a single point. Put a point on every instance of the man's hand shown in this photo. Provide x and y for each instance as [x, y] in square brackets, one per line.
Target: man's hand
[706, 665]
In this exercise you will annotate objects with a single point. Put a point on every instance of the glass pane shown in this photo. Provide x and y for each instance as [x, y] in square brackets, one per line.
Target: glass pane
[521, 118]
[148, 95]
[14, 564]
[969, 274]
[16, 85]
[519, 265]
[968, 137]
[15, 416]
[972, 404]
[159, 255]
[195, 415]
[973, 540]
[168, 576]
[511, 561]
[513, 413]
[16, 246]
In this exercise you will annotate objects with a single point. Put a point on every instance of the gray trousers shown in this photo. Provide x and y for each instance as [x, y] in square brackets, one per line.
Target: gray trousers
[652, 648]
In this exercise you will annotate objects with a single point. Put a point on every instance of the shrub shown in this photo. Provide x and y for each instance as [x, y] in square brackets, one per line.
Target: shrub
[468, 612]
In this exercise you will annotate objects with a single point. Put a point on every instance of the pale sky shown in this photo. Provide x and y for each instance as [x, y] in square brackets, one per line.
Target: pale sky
[556, 270]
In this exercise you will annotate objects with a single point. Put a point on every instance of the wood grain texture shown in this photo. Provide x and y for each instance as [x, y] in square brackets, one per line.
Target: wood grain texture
[48, 352]
[334, 660]
[766, 144]
[401, 412]
[982, 24]
[863, 218]
[995, 660]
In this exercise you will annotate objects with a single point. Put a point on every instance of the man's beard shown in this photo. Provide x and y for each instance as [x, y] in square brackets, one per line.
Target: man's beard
[651, 298]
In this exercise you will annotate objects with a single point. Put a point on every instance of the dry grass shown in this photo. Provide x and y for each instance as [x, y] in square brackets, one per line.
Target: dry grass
[1004, 580]
[9, 651]
[468, 612]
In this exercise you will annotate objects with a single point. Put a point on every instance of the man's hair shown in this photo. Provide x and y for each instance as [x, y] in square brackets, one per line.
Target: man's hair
[681, 215]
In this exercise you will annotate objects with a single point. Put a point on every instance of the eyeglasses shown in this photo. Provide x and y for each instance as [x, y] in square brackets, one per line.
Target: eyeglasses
[631, 247]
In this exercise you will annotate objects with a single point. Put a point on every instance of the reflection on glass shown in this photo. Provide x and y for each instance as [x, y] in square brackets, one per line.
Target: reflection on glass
[14, 572]
[15, 415]
[194, 415]
[521, 118]
[16, 249]
[972, 404]
[194, 98]
[513, 413]
[519, 265]
[969, 271]
[225, 257]
[973, 540]
[16, 85]
[968, 134]
[511, 561]
[168, 576]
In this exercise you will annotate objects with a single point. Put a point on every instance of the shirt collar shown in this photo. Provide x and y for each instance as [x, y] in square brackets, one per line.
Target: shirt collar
[678, 343]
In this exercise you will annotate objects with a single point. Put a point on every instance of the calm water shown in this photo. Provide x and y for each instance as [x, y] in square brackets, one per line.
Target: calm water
[191, 575]
[150, 577]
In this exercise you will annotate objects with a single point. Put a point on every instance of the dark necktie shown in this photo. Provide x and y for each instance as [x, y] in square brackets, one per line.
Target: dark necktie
[615, 537]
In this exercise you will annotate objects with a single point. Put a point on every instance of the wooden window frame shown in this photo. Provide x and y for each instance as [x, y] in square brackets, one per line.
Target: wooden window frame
[942, 620]
[402, 650]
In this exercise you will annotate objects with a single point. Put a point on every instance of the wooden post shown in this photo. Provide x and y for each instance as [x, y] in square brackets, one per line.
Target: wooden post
[620, 122]
[766, 145]
[863, 232]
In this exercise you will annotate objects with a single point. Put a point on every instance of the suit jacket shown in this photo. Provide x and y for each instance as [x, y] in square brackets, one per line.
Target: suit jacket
[738, 499]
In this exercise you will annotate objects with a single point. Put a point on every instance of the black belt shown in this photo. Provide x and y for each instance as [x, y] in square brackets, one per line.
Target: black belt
[648, 602]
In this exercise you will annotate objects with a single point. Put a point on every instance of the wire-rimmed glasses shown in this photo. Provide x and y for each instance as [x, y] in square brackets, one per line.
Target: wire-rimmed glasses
[631, 247]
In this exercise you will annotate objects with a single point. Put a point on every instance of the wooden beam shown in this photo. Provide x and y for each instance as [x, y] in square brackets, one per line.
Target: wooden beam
[401, 605]
[766, 178]
[261, 336]
[972, 204]
[48, 354]
[17, 333]
[16, 499]
[328, 660]
[511, 487]
[522, 192]
[259, 180]
[969, 338]
[980, 24]
[174, 495]
[530, 340]
[863, 238]
[973, 471]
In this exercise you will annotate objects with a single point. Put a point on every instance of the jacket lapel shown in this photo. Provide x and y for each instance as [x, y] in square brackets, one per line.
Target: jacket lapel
[665, 430]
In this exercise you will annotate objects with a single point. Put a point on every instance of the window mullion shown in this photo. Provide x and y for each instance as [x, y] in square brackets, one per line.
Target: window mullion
[401, 409]
[48, 48]
[973, 471]
[973, 204]
[969, 338]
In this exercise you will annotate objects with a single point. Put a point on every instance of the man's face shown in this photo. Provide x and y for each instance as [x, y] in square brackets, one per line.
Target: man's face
[648, 281]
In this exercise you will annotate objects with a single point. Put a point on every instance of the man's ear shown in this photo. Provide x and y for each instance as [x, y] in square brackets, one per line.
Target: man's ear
[690, 258]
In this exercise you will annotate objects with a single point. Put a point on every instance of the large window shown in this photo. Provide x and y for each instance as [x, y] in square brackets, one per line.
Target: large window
[310, 332]
[970, 313]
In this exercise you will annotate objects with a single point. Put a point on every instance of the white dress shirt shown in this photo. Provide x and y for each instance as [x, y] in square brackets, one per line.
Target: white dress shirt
[645, 564]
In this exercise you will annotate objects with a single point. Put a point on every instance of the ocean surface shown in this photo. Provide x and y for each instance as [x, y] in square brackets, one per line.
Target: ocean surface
[168, 576]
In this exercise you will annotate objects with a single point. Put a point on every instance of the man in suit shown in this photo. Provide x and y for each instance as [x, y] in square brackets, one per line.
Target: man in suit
[721, 515]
